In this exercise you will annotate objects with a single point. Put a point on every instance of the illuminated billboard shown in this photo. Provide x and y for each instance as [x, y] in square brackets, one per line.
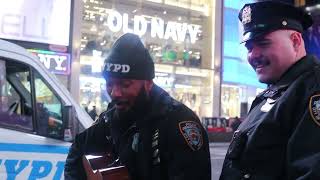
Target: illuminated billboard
[55, 62]
[42, 21]
[235, 66]
[312, 37]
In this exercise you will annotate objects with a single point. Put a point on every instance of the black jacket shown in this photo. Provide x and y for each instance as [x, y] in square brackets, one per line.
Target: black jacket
[279, 139]
[168, 142]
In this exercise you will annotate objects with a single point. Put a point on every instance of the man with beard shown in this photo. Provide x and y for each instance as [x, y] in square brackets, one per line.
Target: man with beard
[279, 139]
[153, 135]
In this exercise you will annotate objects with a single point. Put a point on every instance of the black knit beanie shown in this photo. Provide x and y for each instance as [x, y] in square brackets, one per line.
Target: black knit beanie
[129, 59]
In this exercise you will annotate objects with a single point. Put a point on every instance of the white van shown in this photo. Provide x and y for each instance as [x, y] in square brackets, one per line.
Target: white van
[36, 115]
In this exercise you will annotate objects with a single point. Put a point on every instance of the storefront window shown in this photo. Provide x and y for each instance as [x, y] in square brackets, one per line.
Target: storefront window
[196, 5]
[173, 38]
[230, 101]
[191, 86]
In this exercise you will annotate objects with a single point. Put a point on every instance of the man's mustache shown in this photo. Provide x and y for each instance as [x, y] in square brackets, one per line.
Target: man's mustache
[120, 101]
[256, 62]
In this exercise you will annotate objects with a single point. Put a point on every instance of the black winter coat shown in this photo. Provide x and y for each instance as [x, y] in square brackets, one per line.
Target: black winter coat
[279, 139]
[167, 143]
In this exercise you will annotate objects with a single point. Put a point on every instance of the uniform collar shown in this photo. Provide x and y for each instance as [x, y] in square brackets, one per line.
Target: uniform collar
[157, 95]
[301, 66]
[156, 91]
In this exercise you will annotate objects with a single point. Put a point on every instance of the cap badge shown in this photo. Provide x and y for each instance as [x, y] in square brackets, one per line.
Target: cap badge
[268, 105]
[284, 23]
[246, 15]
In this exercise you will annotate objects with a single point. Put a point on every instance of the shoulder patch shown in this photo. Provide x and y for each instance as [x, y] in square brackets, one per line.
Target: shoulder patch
[314, 108]
[191, 132]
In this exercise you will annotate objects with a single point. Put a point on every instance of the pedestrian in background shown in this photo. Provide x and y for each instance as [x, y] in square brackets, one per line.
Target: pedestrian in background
[279, 139]
[235, 123]
[93, 113]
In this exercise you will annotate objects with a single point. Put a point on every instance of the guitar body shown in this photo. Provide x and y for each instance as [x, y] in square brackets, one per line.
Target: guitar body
[100, 167]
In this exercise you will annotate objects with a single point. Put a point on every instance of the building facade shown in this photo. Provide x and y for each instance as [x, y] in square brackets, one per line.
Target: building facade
[72, 39]
[178, 35]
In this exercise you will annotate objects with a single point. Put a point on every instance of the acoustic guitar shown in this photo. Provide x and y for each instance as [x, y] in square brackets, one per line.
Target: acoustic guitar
[100, 167]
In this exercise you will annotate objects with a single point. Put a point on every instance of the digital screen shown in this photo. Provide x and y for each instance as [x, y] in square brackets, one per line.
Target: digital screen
[55, 62]
[43, 21]
[312, 37]
[235, 66]
[236, 71]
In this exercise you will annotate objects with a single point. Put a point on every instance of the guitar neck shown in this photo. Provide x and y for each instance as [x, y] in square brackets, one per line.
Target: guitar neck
[102, 167]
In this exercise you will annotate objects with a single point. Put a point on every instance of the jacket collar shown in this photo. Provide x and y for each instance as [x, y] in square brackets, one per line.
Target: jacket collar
[157, 99]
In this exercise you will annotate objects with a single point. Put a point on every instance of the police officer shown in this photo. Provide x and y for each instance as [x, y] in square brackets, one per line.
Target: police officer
[155, 137]
[279, 139]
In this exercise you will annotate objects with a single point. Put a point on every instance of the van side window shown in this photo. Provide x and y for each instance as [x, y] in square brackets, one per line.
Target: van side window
[49, 109]
[15, 97]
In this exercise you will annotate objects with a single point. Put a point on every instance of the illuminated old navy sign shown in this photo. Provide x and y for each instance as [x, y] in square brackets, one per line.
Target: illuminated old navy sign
[57, 63]
[175, 30]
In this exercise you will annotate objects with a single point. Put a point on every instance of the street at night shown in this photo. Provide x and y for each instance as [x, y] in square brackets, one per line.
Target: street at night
[217, 153]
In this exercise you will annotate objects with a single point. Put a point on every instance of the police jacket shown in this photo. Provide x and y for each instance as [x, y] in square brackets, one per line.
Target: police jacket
[167, 143]
[279, 139]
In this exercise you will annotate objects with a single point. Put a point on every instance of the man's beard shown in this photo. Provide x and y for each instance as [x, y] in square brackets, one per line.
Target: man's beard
[140, 106]
[141, 103]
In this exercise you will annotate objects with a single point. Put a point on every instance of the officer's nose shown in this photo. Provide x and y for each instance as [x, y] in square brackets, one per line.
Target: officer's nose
[116, 92]
[254, 52]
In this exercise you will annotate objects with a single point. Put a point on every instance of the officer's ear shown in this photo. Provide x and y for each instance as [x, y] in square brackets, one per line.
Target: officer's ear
[296, 39]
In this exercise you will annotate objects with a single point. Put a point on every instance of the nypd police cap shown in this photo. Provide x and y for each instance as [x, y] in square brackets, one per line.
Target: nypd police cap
[129, 59]
[261, 18]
